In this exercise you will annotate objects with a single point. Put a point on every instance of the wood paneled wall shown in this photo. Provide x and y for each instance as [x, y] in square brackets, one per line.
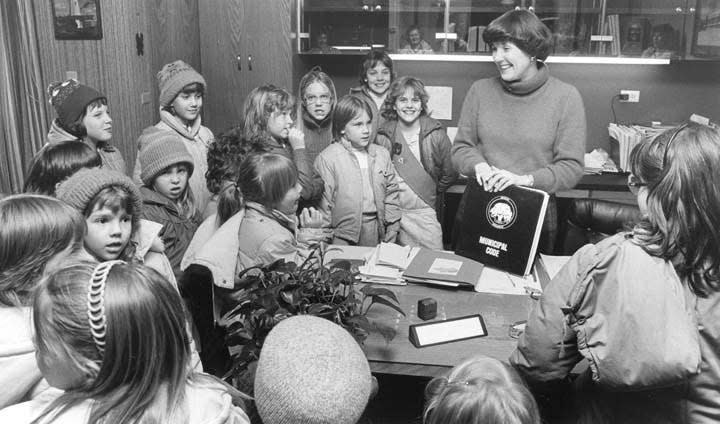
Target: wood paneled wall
[112, 65]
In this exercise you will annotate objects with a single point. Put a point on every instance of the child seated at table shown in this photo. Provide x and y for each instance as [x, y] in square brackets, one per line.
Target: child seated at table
[480, 390]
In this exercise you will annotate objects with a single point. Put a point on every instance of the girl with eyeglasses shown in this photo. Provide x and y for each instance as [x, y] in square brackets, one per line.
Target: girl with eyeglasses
[642, 307]
[314, 111]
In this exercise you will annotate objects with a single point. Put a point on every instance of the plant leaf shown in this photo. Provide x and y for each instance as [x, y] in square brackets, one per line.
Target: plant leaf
[383, 301]
[370, 290]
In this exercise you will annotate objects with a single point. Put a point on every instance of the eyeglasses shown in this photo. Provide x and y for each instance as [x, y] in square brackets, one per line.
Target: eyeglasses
[323, 98]
[634, 184]
[670, 140]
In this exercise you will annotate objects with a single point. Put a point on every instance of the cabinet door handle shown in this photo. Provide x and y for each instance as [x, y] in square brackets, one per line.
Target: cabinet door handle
[250, 62]
[238, 59]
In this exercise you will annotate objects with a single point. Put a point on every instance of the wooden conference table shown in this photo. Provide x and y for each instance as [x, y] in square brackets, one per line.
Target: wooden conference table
[400, 356]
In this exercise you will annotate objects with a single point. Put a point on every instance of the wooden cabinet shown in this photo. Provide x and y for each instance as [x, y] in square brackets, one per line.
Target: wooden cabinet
[243, 44]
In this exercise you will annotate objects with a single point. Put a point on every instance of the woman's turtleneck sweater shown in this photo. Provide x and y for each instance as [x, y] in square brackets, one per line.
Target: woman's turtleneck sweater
[535, 127]
[318, 135]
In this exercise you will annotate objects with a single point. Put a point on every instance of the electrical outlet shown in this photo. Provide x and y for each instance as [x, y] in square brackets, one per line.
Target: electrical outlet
[145, 97]
[633, 96]
[70, 75]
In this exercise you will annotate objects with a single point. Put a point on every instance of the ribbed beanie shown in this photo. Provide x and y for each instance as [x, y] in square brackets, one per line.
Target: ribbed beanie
[69, 98]
[158, 150]
[311, 371]
[173, 77]
[79, 190]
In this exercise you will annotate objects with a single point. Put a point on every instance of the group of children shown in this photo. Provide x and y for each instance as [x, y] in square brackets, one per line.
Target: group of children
[107, 265]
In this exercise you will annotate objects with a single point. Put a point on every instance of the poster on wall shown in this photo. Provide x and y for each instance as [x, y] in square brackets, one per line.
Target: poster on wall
[77, 19]
[706, 37]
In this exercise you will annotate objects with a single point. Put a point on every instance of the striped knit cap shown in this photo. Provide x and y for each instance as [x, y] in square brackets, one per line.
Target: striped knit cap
[158, 150]
[82, 187]
[311, 371]
[173, 77]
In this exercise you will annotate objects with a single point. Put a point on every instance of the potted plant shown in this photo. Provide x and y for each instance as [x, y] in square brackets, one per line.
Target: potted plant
[267, 295]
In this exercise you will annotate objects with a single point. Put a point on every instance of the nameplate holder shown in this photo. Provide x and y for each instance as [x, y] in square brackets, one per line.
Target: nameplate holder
[450, 330]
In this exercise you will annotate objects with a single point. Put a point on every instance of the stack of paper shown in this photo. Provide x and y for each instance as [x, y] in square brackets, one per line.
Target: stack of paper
[385, 264]
[627, 136]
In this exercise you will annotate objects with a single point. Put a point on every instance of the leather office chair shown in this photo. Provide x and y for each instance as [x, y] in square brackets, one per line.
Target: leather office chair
[591, 220]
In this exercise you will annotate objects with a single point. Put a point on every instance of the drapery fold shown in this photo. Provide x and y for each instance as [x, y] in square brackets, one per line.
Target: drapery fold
[23, 118]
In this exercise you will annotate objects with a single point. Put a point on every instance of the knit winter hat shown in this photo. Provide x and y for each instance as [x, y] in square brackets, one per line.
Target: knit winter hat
[79, 190]
[69, 98]
[311, 371]
[158, 150]
[173, 77]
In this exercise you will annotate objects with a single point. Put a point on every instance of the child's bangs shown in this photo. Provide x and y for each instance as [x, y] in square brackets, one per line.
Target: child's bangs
[192, 88]
[96, 104]
[114, 198]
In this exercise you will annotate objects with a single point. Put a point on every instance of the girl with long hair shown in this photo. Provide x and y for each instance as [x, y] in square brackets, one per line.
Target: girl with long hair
[94, 342]
[643, 307]
[36, 234]
[267, 127]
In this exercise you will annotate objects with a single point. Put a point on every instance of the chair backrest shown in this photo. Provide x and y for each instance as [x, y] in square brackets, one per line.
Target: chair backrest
[591, 220]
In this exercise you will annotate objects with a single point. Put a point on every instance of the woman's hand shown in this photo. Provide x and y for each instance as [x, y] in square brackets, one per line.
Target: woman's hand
[500, 179]
[296, 139]
[311, 218]
[483, 171]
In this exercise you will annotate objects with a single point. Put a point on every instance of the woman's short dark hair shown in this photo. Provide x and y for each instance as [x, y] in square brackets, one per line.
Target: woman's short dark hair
[371, 60]
[523, 29]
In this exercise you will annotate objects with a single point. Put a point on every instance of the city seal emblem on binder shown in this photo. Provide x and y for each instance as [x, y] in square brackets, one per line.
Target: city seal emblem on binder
[501, 212]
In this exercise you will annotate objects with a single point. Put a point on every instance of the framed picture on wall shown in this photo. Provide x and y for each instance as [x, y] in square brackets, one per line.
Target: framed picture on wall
[77, 19]
[706, 36]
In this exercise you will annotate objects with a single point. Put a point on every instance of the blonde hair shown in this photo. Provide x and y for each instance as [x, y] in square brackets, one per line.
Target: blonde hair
[142, 373]
[33, 229]
[259, 105]
[480, 390]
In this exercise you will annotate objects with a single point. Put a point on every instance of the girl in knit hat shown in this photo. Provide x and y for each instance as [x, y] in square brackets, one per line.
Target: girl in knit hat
[267, 127]
[311, 371]
[36, 233]
[480, 390]
[112, 205]
[181, 99]
[82, 114]
[112, 337]
[167, 198]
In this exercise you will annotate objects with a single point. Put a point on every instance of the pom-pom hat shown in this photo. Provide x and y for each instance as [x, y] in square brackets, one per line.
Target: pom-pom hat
[311, 371]
[70, 98]
[173, 77]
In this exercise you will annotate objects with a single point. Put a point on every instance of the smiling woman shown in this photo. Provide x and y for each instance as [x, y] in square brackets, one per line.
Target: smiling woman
[523, 127]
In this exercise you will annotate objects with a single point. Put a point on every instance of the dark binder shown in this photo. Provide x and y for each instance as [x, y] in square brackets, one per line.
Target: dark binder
[502, 229]
[442, 269]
